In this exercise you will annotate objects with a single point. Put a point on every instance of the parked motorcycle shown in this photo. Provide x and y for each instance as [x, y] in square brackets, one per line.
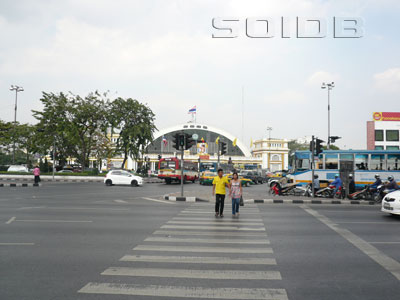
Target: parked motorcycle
[329, 192]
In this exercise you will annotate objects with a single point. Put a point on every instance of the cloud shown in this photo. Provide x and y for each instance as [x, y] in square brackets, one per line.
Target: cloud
[322, 76]
[388, 81]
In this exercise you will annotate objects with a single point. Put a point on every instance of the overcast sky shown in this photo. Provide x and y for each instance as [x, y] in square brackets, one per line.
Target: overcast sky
[162, 53]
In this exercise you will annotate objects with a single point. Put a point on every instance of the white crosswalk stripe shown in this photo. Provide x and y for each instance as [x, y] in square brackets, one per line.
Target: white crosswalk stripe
[208, 233]
[214, 227]
[205, 241]
[185, 273]
[184, 292]
[240, 243]
[200, 260]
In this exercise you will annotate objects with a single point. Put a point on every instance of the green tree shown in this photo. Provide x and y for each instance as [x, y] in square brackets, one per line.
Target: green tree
[72, 123]
[134, 122]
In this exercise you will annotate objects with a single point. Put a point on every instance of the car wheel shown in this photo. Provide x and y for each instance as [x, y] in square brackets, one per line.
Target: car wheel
[108, 182]
[168, 181]
[134, 183]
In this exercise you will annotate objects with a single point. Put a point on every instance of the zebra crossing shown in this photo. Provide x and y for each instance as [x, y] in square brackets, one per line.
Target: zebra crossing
[195, 255]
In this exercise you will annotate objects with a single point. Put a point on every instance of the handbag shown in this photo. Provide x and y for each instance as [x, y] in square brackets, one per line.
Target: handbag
[241, 202]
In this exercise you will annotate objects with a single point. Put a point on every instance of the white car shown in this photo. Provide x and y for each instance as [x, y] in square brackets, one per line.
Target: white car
[391, 203]
[122, 177]
[16, 168]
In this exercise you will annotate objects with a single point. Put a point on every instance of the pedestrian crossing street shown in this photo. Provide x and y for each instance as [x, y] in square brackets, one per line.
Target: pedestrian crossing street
[195, 255]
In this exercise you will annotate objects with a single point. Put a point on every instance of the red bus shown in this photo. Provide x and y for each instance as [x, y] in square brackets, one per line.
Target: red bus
[169, 169]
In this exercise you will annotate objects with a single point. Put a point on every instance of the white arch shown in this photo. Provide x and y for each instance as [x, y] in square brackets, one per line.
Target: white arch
[239, 143]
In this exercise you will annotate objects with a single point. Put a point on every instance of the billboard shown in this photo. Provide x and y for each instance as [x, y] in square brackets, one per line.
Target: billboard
[202, 148]
[386, 116]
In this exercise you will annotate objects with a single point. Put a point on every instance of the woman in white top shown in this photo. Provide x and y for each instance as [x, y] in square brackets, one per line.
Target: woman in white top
[235, 191]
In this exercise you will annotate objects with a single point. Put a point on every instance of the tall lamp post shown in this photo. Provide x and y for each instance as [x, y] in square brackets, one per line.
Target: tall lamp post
[17, 89]
[329, 87]
[269, 129]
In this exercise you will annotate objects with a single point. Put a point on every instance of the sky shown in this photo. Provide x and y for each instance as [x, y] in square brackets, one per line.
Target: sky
[162, 52]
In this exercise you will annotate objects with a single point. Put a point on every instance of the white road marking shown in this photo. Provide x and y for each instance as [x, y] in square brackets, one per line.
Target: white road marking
[206, 241]
[211, 212]
[156, 200]
[213, 218]
[384, 243]
[119, 201]
[211, 233]
[379, 257]
[185, 292]
[11, 220]
[73, 208]
[200, 260]
[367, 222]
[217, 221]
[17, 244]
[213, 227]
[202, 249]
[190, 273]
[55, 221]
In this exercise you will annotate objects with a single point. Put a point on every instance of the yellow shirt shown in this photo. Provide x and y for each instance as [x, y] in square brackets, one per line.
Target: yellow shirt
[220, 184]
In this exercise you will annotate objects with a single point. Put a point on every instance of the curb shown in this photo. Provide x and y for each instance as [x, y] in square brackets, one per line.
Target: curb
[187, 199]
[68, 180]
[19, 185]
[288, 201]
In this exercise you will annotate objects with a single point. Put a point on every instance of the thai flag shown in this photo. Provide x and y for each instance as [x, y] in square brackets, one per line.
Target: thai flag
[164, 140]
[192, 110]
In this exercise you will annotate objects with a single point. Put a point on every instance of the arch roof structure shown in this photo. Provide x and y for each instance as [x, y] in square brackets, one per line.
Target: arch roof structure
[194, 126]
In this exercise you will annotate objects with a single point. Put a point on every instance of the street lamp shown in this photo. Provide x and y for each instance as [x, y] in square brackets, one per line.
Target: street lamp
[328, 86]
[17, 89]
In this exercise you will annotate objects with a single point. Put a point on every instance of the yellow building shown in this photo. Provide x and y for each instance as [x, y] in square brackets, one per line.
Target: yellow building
[273, 152]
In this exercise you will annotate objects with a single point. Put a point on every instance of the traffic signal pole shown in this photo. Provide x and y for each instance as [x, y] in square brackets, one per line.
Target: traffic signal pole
[312, 166]
[182, 170]
[219, 154]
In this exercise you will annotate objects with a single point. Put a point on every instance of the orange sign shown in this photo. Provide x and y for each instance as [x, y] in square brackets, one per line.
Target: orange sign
[386, 116]
[204, 156]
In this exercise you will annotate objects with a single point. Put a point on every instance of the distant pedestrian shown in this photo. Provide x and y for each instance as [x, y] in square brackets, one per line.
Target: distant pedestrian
[220, 183]
[36, 173]
[235, 191]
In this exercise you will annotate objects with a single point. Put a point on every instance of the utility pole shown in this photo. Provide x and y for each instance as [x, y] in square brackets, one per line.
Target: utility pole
[54, 155]
[219, 148]
[17, 89]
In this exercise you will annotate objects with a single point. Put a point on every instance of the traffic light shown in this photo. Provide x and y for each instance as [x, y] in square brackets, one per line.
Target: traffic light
[189, 142]
[312, 144]
[318, 146]
[182, 139]
[223, 148]
[176, 141]
[333, 139]
[159, 157]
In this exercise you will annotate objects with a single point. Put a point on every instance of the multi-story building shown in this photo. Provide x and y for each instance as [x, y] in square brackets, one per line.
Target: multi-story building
[383, 131]
[273, 152]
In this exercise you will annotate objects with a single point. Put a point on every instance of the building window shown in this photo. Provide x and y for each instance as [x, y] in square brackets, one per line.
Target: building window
[378, 147]
[392, 135]
[392, 147]
[275, 157]
[185, 126]
[379, 135]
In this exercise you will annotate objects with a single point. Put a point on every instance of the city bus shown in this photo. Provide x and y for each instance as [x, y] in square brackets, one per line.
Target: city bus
[169, 169]
[365, 164]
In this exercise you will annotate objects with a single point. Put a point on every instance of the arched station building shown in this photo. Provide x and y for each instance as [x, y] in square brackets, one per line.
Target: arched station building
[207, 150]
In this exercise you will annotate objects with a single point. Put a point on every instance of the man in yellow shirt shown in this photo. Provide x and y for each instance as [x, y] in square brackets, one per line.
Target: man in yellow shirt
[219, 190]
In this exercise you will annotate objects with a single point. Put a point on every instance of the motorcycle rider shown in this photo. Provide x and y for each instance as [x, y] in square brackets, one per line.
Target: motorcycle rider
[391, 185]
[316, 183]
[352, 184]
[373, 187]
[337, 183]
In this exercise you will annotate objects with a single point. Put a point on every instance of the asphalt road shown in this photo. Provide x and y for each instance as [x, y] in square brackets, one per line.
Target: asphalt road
[88, 241]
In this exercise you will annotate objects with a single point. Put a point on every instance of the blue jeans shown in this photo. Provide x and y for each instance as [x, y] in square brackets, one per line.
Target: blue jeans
[235, 205]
